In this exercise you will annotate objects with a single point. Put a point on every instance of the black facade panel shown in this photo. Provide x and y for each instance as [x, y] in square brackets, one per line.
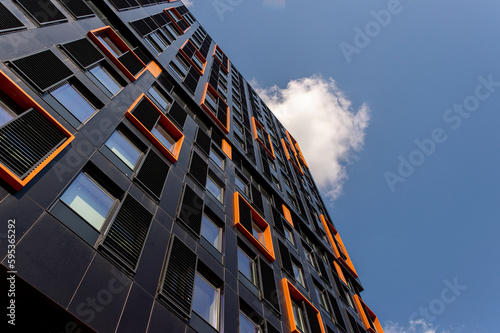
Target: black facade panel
[222, 113]
[178, 114]
[146, 114]
[278, 221]
[43, 77]
[127, 234]
[43, 11]
[313, 319]
[322, 268]
[124, 4]
[161, 19]
[198, 169]
[178, 284]
[153, 174]
[78, 8]
[189, 49]
[83, 52]
[286, 261]
[337, 312]
[191, 80]
[271, 328]
[257, 198]
[141, 27]
[203, 141]
[142, 55]
[269, 284]
[130, 62]
[191, 210]
[245, 216]
[26, 141]
[8, 21]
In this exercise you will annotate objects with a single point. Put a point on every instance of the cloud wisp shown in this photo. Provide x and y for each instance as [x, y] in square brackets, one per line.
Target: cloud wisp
[319, 116]
[188, 3]
[414, 326]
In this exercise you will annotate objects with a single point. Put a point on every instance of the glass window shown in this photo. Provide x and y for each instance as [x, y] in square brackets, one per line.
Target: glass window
[206, 301]
[198, 62]
[299, 275]
[159, 97]
[180, 66]
[298, 314]
[164, 137]
[172, 31]
[247, 267]
[110, 45]
[211, 232]
[157, 41]
[107, 80]
[211, 102]
[88, 200]
[248, 326]
[217, 159]
[258, 233]
[242, 186]
[214, 188]
[6, 113]
[124, 149]
[74, 102]
[289, 236]
[310, 259]
[322, 298]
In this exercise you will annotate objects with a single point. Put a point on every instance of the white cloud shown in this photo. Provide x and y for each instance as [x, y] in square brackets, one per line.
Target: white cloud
[414, 326]
[188, 3]
[319, 116]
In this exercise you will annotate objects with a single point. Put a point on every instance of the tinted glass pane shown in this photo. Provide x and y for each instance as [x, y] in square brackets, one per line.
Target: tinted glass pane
[164, 137]
[213, 188]
[106, 79]
[88, 200]
[110, 45]
[124, 149]
[211, 232]
[216, 158]
[258, 233]
[74, 102]
[6, 113]
[206, 301]
[246, 266]
[159, 97]
[246, 326]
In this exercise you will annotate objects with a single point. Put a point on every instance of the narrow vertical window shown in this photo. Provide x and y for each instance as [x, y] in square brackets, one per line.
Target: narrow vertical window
[206, 301]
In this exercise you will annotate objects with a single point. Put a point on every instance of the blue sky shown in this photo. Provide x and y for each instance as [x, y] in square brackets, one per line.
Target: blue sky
[414, 186]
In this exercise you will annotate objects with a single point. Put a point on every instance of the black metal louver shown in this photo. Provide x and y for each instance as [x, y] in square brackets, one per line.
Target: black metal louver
[44, 70]
[217, 138]
[198, 169]
[153, 174]
[257, 198]
[131, 63]
[313, 319]
[142, 27]
[286, 261]
[127, 234]
[265, 164]
[77, 8]
[8, 21]
[147, 2]
[178, 285]
[83, 52]
[26, 141]
[245, 216]
[203, 141]
[278, 221]
[43, 11]
[146, 113]
[161, 19]
[189, 49]
[222, 113]
[336, 311]
[177, 113]
[124, 4]
[183, 25]
[322, 268]
[269, 285]
[191, 210]
[191, 80]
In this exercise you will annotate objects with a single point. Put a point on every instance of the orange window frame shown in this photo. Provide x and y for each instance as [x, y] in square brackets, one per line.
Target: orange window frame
[334, 240]
[178, 16]
[171, 128]
[361, 306]
[226, 66]
[256, 124]
[224, 127]
[293, 160]
[121, 45]
[267, 249]
[23, 100]
[289, 292]
[296, 149]
[196, 54]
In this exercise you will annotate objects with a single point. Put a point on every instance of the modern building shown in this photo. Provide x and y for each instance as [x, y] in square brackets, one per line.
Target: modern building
[147, 187]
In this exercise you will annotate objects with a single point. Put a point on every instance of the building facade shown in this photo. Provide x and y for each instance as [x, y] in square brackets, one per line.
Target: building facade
[146, 187]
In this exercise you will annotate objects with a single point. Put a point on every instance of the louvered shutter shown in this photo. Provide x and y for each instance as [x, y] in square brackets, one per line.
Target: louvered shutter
[127, 234]
[203, 141]
[131, 63]
[278, 221]
[8, 21]
[83, 52]
[286, 261]
[198, 169]
[191, 210]
[313, 319]
[146, 113]
[337, 312]
[268, 284]
[178, 284]
[177, 113]
[257, 198]
[43, 11]
[77, 8]
[245, 216]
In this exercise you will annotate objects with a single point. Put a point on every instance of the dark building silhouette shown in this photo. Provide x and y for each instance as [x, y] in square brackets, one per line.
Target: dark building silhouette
[147, 187]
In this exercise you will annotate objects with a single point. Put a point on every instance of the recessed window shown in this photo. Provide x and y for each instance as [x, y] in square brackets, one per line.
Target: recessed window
[206, 301]
[157, 41]
[300, 320]
[322, 298]
[298, 274]
[161, 133]
[160, 97]
[125, 150]
[258, 233]
[106, 79]
[72, 99]
[211, 101]
[289, 236]
[211, 232]
[217, 159]
[248, 326]
[88, 200]
[109, 43]
[214, 187]
[242, 186]
[6, 111]
[180, 66]
[310, 258]
[171, 30]
[248, 267]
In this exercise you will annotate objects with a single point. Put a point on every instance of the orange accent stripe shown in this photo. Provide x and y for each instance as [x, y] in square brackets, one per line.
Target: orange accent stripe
[226, 148]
